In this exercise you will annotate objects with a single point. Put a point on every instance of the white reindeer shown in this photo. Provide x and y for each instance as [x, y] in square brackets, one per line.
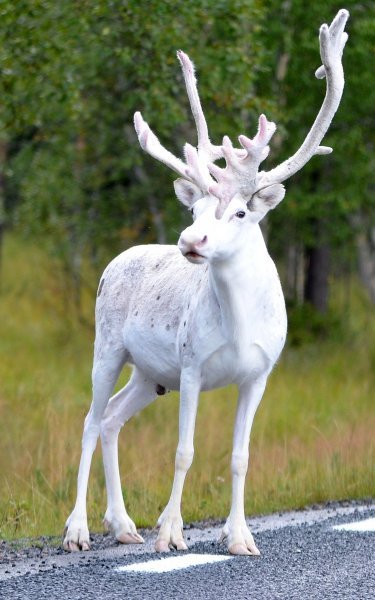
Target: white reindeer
[202, 315]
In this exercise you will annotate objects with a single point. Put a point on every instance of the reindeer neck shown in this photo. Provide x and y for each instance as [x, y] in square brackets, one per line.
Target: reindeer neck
[240, 285]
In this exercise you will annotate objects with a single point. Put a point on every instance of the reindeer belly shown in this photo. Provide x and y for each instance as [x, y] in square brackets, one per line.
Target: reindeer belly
[153, 351]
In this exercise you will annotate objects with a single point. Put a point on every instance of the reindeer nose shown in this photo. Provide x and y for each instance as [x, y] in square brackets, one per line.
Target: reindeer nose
[202, 242]
[189, 243]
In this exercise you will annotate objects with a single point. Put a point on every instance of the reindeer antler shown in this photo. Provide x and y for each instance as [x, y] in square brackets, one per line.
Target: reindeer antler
[206, 150]
[195, 168]
[241, 172]
[332, 42]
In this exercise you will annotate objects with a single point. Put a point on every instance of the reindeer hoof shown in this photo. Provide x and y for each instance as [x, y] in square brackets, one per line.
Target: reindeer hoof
[162, 546]
[122, 527]
[76, 536]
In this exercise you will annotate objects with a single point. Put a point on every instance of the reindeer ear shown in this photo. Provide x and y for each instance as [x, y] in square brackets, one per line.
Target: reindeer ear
[266, 199]
[187, 192]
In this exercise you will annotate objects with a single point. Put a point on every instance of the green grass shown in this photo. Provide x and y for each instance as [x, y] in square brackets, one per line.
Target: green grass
[313, 437]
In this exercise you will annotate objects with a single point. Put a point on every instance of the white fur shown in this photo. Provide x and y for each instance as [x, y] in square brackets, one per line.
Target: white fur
[190, 327]
[206, 314]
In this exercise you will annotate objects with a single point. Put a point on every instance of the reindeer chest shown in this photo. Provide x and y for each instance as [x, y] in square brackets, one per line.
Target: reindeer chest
[235, 342]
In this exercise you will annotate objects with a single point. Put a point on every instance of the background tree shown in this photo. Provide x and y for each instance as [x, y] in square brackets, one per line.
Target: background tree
[73, 74]
[326, 202]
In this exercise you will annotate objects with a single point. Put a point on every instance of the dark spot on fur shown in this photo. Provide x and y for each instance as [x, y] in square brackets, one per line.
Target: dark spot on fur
[136, 313]
[100, 287]
[168, 327]
[184, 345]
[158, 298]
[157, 266]
[160, 390]
[184, 323]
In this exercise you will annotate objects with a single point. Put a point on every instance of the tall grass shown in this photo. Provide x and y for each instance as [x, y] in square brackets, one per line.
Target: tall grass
[313, 437]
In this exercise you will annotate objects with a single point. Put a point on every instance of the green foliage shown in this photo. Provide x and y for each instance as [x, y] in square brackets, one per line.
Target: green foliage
[73, 74]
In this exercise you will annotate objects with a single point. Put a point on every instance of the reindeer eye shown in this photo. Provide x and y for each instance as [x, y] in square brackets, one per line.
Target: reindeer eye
[240, 214]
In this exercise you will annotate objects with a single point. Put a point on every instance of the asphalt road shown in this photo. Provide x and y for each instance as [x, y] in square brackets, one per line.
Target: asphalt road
[303, 557]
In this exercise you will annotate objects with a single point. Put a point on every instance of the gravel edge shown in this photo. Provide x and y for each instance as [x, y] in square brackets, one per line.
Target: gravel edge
[40, 548]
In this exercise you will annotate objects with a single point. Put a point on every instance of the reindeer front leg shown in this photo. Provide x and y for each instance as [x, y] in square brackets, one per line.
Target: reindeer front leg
[235, 531]
[170, 521]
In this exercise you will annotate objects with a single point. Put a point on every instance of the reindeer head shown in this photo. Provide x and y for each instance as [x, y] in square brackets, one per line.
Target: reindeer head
[240, 187]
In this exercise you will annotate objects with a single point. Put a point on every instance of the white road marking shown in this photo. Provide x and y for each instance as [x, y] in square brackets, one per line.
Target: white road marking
[173, 563]
[366, 525]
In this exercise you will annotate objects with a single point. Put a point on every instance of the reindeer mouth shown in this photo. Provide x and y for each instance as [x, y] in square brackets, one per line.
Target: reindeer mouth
[194, 257]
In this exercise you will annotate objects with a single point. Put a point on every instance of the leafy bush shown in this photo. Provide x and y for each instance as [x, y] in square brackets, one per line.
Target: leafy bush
[307, 325]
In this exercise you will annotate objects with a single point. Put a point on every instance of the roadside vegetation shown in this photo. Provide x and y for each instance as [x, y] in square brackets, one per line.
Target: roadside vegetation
[313, 434]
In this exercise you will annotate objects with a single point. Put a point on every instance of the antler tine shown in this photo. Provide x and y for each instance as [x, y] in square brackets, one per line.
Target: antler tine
[332, 42]
[193, 170]
[240, 173]
[150, 144]
[206, 150]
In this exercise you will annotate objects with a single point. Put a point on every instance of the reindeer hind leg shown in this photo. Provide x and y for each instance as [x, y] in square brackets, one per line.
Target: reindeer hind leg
[106, 369]
[136, 395]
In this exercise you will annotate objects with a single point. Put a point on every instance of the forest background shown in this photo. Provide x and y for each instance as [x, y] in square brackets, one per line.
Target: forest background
[76, 189]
